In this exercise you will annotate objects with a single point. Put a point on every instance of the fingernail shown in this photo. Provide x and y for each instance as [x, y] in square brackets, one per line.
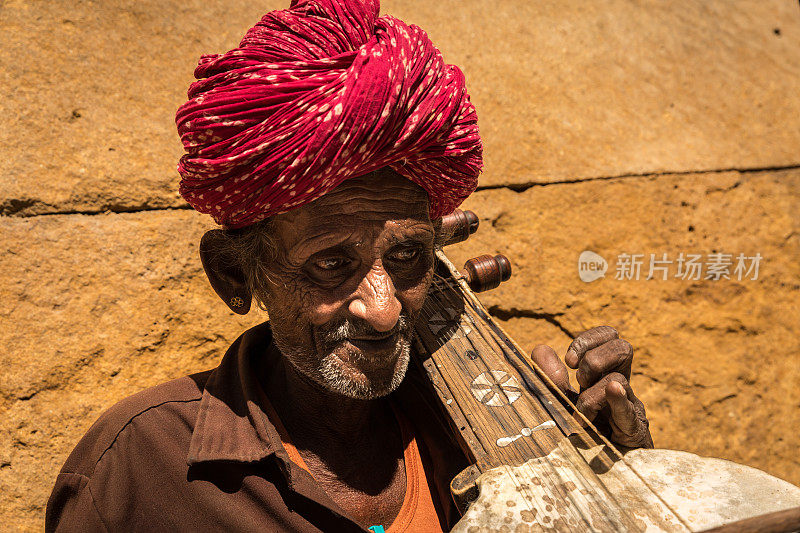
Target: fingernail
[618, 389]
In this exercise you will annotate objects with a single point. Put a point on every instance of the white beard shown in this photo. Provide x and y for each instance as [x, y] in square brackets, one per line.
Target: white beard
[335, 374]
[336, 379]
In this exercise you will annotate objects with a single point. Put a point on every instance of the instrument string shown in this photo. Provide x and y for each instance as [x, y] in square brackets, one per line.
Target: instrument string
[538, 505]
[553, 476]
[582, 501]
[457, 300]
[557, 481]
[513, 355]
[553, 388]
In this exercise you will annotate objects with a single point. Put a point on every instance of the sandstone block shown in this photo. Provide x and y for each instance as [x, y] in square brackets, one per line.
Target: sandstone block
[97, 308]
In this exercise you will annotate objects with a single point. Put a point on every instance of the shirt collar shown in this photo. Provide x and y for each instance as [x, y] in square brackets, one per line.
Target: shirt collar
[231, 424]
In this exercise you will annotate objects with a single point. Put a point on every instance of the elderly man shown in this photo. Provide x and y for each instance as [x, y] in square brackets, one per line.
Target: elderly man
[328, 146]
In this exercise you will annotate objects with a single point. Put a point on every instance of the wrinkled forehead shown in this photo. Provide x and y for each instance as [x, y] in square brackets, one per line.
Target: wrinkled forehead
[370, 200]
[386, 195]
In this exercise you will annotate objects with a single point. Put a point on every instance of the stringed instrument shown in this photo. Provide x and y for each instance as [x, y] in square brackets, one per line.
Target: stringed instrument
[538, 464]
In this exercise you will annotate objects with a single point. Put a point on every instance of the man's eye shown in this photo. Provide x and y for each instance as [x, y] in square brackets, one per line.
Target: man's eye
[405, 254]
[332, 263]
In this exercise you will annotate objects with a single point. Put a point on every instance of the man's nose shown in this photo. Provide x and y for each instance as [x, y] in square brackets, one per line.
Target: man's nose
[376, 300]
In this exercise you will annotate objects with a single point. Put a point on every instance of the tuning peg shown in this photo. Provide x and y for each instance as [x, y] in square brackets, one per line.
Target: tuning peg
[459, 225]
[486, 272]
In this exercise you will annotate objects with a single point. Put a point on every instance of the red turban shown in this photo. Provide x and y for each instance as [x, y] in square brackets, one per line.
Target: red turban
[316, 94]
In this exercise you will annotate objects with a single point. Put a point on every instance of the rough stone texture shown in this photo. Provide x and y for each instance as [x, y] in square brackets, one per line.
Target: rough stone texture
[568, 90]
[90, 93]
[97, 307]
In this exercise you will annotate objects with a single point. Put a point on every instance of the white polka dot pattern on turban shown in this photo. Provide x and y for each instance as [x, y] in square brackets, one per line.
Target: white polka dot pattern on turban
[316, 94]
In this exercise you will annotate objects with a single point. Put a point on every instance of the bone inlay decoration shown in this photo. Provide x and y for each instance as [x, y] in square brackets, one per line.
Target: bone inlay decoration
[495, 388]
[524, 432]
[448, 318]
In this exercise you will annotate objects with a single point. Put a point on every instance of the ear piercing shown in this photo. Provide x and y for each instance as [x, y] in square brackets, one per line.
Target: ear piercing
[236, 302]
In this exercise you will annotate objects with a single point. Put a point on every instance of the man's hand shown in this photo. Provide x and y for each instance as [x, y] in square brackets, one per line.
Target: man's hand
[603, 363]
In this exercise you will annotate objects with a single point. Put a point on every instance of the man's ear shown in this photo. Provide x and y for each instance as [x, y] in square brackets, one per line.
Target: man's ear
[224, 273]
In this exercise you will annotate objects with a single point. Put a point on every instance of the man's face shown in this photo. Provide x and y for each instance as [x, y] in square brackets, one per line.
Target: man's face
[352, 274]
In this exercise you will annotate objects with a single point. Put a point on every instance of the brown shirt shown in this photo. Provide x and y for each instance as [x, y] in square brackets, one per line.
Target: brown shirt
[199, 453]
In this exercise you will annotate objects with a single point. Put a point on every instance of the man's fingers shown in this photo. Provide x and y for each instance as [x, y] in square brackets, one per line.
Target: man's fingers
[603, 364]
[626, 417]
[592, 400]
[623, 414]
[613, 356]
[586, 341]
[547, 359]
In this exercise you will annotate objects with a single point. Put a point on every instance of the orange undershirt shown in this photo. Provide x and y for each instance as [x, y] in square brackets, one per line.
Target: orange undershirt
[417, 514]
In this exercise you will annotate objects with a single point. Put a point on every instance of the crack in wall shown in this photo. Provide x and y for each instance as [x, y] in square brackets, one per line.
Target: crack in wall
[14, 208]
[522, 187]
[507, 314]
[105, 211]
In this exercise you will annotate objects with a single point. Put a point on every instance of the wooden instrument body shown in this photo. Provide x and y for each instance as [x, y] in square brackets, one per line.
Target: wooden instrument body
[519, 430]
[703, 493]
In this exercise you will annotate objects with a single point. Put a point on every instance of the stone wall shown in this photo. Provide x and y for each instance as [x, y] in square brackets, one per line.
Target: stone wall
[616, 127]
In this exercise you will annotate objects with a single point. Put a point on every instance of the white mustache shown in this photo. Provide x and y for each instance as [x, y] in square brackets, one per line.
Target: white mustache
[347, 329]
